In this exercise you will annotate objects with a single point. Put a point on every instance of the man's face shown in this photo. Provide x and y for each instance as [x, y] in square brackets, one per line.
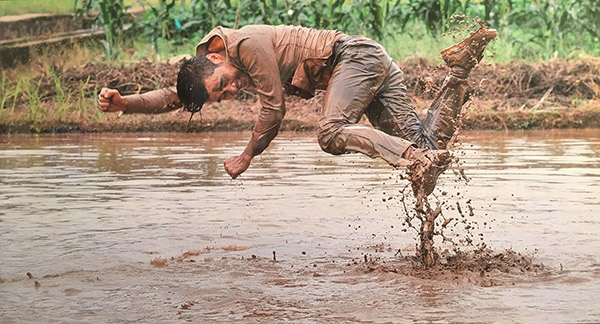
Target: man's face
[225, 82]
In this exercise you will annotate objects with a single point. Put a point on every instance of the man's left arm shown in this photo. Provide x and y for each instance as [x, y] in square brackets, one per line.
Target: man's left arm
[261, 66]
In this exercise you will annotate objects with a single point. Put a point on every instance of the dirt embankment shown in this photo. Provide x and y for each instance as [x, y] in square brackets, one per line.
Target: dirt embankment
[516, 95]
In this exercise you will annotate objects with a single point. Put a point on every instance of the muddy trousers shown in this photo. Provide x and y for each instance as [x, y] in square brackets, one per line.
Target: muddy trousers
[366, 81]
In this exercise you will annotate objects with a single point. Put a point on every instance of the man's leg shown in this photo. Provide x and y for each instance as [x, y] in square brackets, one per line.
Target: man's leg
[361, 71]
[393, 113]
[443, 115]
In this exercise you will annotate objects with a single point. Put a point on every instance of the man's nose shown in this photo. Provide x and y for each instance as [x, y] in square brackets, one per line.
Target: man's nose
[231, 87]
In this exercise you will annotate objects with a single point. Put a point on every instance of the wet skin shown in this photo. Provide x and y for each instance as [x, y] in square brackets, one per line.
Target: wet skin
[225, 81]
[223, 84]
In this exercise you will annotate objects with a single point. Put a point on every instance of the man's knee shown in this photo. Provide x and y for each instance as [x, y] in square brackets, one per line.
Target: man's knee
[330, 140]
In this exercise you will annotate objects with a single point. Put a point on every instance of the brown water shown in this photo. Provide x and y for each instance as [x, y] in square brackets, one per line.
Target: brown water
[85, 215]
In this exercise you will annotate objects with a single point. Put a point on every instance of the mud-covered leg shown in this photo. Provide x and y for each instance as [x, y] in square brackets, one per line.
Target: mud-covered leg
[359, 75]
[427, 216]
[393, 112]
[444, 114]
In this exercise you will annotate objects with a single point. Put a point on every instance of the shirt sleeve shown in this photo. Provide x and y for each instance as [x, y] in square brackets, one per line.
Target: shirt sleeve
[258, 57]
[153, 102]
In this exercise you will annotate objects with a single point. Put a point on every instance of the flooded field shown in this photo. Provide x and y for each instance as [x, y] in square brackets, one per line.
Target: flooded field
[148, 228]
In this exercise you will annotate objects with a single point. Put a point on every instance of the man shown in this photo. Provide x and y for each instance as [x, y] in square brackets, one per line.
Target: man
[359, 77]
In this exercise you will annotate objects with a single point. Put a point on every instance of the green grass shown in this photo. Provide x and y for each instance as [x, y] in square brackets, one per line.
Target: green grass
[3, 90]
[67, 105]
[19, 7]
[145, 50]
[400, 47]
[403, 46]
[501, 50]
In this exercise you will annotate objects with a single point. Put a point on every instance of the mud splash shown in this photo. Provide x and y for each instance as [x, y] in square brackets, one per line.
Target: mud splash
[484, 268]
[447, 106]
[450, 210]
[431, 222]
[443, 126]
[452, 222]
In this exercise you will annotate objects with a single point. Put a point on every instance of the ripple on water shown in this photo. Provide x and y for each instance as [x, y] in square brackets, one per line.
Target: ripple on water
[87, 219]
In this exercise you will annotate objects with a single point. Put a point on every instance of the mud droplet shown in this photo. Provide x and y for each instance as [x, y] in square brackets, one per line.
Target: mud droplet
[159, 262]
[187, 305]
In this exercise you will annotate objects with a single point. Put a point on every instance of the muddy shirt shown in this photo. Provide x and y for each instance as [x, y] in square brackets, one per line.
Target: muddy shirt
[153, 102]
[274, 57]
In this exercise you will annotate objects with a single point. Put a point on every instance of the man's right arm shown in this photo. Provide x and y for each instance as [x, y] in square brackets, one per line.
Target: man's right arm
[152, 102]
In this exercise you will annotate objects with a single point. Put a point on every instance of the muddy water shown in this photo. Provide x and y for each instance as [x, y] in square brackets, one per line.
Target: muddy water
[86, 214]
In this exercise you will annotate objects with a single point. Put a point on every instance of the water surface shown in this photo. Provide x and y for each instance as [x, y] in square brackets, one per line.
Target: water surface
[85, 214]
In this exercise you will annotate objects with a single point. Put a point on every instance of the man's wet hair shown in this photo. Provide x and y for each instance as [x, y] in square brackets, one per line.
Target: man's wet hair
[190, 82]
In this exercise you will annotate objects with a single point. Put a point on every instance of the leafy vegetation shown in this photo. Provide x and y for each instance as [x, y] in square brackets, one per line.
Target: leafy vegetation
[110, 14]
[529, 29]
[19, 7]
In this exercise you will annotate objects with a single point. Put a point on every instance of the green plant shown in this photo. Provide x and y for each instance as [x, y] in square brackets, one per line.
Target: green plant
[585, 13]
[325, 14]
[3, 90]
[62, 105]
[109, 14]
[36, 112]
[81, 99]
[532, 29]
[17, 92]
[157, 22]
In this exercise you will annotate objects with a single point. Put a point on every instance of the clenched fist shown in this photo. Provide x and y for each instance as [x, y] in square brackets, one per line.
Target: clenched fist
[110, 100]
[237, 164]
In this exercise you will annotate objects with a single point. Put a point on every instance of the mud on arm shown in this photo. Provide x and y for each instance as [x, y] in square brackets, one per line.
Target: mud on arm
[261, 65]
[153, 102]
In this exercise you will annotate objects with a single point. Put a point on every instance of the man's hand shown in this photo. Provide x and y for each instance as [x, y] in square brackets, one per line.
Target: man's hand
[235, 165]
[110, 100]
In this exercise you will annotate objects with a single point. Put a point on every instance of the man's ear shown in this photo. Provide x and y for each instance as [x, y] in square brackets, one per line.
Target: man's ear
[216, 44]
[216, 58]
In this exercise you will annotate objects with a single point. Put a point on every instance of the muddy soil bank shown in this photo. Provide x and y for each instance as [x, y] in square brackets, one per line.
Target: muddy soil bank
[515, 95]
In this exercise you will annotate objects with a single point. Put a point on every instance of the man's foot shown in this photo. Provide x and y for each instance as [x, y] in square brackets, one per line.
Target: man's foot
[469, 52]
[425, 169]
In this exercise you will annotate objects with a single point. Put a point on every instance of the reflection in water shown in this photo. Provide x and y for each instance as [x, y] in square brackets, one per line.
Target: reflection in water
[86, 213]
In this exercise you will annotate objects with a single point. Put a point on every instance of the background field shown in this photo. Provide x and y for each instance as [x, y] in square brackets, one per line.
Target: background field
[545, 59]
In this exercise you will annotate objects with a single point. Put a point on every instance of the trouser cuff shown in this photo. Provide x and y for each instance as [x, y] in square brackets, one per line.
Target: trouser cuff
[460, 72]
